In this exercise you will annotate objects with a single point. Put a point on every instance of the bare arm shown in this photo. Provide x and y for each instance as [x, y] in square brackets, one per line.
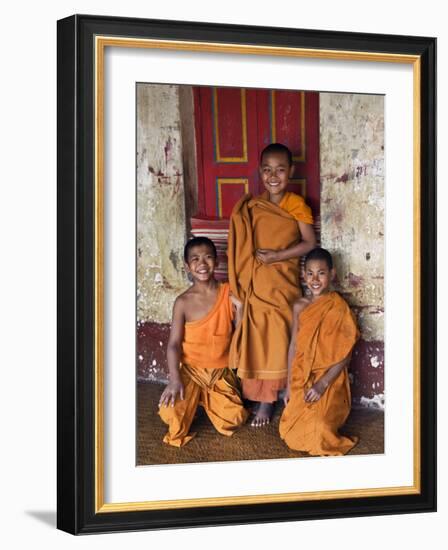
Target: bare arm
[319, 388]
[173, 355]
[292, 345]
[307, 243]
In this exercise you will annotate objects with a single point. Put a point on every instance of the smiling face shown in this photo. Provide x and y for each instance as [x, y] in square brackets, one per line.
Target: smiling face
[275, 172]
[201, 262]
[318, 277]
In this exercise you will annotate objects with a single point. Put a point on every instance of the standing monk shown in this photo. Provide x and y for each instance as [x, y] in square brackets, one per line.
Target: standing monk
[267, 236]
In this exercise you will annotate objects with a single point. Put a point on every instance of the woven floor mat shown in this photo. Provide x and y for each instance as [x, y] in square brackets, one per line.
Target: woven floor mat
[247, 443]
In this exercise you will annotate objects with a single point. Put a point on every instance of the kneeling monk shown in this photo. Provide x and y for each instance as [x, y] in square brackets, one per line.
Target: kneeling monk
[318, 393]
[198, 352]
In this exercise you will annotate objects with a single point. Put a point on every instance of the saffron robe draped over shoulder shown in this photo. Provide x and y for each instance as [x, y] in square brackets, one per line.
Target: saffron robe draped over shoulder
[326, 335]
[205, 375]
[207, 340]
[260, 345]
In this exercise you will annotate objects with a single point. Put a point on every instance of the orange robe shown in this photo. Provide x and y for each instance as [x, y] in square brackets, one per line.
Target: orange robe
[326, 335]
[260, 345]
[205, 375]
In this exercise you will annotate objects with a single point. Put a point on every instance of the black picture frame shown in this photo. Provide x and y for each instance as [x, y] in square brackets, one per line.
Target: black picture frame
[77, 509]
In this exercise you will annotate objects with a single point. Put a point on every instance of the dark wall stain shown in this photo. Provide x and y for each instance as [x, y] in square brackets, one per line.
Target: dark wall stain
[166, 284]
[343, 178]
[361, 171]
[176, 187]
[354, 280]
[174, 259]
[368, 380]
[337, 216]
[162, 178]
[168, 147]
[152, 339]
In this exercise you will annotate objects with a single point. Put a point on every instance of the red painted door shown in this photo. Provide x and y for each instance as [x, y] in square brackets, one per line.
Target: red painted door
[233, 125]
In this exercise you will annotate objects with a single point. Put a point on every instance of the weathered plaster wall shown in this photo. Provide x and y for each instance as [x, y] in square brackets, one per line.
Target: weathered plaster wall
[186, 108]
[161, 225]
[352, 218]
[160, 203]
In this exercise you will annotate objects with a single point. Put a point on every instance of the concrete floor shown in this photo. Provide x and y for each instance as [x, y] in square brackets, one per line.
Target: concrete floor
[246, 444]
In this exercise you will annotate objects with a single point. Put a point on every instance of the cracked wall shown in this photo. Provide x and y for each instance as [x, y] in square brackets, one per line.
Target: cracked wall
[166, 180]
[161, 224]
[352, 220]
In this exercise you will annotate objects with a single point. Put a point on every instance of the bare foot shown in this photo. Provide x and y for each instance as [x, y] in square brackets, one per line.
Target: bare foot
[263, 415]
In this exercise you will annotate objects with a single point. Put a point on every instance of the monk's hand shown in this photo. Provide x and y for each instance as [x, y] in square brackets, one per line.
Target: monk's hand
[287, 395]
[315, 392]
[168, 397]
[237, 304]
[266, 256]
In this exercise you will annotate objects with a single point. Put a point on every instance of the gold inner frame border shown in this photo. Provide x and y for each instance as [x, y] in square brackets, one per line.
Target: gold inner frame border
[100, 43]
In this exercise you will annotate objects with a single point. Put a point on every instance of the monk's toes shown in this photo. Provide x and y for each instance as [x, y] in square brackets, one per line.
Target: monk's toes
[259, 422]
[256, 422]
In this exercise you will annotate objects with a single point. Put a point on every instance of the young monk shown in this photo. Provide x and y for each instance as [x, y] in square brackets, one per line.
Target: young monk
[198, 352]
[267, 236]
[318, 393]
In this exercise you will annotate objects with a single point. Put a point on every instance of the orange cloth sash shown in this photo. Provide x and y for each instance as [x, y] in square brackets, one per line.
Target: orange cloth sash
[326, 335]
[260, 344]
[207, 341]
